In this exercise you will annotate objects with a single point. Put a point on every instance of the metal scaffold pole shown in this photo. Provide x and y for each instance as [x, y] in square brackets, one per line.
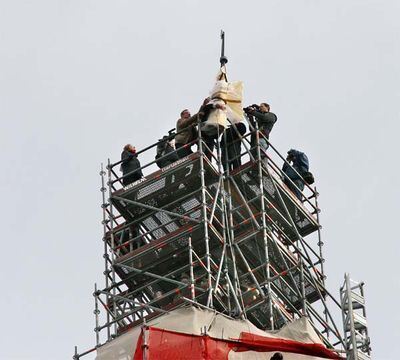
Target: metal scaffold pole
[264, 231]
[230, 237]
[322, 260]
[112, 247]
[192, 281]
[104, 205]
[205, 221]
[96, 312]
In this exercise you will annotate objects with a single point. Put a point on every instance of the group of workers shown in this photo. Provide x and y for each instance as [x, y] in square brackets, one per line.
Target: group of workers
[176, 146]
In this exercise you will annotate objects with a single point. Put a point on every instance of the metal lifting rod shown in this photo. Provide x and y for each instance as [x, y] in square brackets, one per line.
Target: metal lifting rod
[223, 59]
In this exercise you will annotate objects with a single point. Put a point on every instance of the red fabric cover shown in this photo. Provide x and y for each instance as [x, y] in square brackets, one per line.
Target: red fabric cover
[259, 343]
[164, 344]
[139, 348]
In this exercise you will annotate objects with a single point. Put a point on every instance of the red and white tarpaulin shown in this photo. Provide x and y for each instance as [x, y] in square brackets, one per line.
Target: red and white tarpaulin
[180, 335]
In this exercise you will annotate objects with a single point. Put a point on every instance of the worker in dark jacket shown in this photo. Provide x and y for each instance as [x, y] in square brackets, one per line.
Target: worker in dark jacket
[186, 133]
[265, 120]
[186, 130]
[209, 136]
[231, 146]
[130, 165]
[299, 166]
[165, 152]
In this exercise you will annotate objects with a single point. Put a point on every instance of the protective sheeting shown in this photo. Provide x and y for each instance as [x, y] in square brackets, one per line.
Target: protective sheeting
[121, 348]
[180, 335]
[228, 94]
[164, 344]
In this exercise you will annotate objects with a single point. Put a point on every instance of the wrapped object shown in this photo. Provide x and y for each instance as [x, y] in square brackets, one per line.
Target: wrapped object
[230, 95]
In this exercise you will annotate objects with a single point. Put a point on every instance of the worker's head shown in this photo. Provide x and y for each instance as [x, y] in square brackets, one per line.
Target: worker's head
[277, 356]
[185, 114]
[185, 278]
[130, 148]
[264, 107]
[291, 155]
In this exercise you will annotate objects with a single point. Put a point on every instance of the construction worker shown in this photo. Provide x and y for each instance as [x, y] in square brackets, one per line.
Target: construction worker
[294, 173]
[165, 152]
[210, 134]
[186, 130]
[265, 120]
[186, 133]
[231, 146]
[130, 165]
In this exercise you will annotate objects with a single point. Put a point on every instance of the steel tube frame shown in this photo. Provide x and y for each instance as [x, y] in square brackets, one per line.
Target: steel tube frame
[112, 239]
[192, 291]
[224, 210]
[264, 231]
[205, 221]
[106, 258]
[230, 235]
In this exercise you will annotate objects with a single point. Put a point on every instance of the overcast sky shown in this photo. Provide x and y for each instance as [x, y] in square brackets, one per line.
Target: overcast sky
[79, 79]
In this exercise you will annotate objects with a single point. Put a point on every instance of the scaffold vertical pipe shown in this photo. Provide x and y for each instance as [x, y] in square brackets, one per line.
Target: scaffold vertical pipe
[104, 206]
[235, 298]
[111, 218]
[231, 237]
[368, 350]
[264, 230]
[322, 260]
[96, 315]
[320, 242]
[302, 287]
[228, 223]
[205, 221]
[221, 265]
[192, 290]
[224, 251]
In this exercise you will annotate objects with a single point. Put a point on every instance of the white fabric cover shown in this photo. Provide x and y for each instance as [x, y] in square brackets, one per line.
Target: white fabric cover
[121, 348]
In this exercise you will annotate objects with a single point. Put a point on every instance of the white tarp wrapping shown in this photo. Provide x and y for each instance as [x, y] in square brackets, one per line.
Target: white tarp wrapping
[121, 348]
[190, 321]
[229, 94]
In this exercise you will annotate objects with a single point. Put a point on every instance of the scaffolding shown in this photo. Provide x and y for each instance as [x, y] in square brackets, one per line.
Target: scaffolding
[354, 320]
[199, 233]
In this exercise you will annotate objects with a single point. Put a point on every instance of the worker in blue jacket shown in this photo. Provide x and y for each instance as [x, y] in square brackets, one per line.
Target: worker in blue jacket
[299, 166]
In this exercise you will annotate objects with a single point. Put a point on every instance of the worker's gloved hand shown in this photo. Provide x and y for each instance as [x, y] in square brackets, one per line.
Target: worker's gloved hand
[206, 101]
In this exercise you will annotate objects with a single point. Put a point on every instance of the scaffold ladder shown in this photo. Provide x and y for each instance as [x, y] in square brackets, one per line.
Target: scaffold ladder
[355, 327]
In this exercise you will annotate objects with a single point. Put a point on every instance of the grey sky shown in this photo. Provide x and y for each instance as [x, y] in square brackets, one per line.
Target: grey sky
[79, 79]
